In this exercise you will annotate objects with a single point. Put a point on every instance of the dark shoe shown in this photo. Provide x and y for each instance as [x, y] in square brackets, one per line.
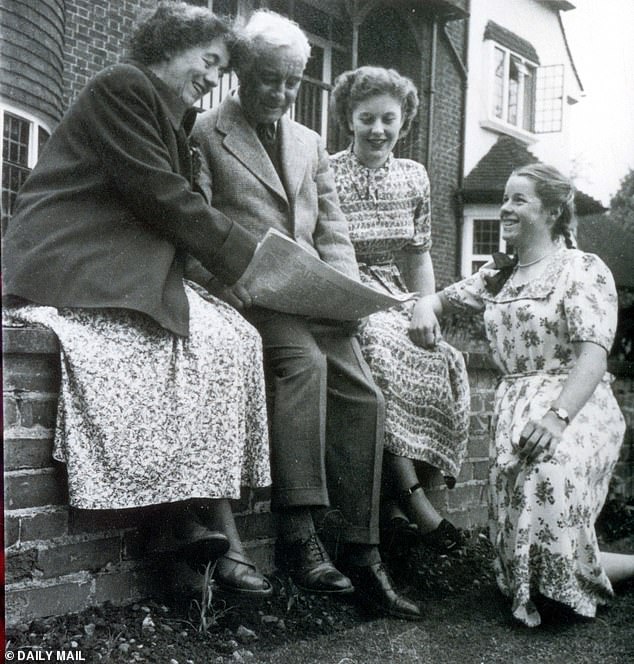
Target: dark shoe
[235, 573]
[198, 545]
[399, 536]
[374, 587]
[312, 570]
[445, 538]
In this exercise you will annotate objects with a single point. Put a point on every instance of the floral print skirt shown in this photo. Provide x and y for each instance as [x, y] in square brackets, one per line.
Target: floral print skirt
[147, 417]
[426, 392]
[542, 514]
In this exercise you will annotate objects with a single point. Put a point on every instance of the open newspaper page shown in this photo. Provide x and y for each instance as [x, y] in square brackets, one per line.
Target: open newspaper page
[284, 277]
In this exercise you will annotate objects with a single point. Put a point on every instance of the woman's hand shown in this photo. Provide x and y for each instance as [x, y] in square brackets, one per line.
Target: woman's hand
[424, 329]
[539, 438]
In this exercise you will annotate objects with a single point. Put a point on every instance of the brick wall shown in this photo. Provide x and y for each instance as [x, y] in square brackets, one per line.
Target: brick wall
[95, 38]
[60, 560]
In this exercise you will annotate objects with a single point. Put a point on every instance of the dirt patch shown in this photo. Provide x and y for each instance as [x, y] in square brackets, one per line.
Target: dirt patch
[466, 620]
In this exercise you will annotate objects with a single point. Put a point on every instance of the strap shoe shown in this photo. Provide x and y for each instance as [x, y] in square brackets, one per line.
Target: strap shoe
[235, 573]
[197, 544]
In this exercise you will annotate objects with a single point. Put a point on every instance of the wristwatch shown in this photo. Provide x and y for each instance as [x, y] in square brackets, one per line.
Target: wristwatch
[561, 413]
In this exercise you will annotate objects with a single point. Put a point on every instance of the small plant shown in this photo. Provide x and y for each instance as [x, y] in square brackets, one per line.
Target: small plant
[205, 614]
[204, 610]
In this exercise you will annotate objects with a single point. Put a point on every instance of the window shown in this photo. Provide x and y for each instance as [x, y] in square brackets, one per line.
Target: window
[513, 89]
[549, 99]
[481, 237]
[23, 137]
[524, 97]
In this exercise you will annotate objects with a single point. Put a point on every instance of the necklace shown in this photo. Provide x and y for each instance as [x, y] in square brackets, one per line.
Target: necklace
[537, 260]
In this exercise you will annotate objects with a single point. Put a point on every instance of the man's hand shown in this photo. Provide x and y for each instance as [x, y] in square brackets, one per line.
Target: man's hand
[237, 296]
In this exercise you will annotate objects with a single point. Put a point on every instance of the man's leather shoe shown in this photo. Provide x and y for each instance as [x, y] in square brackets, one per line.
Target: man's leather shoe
[374, 587]
[312, 570]
[197, 544]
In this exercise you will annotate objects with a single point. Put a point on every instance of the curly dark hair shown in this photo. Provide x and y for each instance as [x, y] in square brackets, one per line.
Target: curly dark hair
[556, 192]
[173, 27]
[353, 86]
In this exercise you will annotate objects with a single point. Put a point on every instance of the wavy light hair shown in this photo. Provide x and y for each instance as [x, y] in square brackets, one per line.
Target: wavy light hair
[356, 85]
[268, 30]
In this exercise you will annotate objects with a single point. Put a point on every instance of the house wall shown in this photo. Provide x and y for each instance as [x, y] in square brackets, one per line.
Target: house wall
[95, 38]
[536, 23]
[32, 63]
[395, 38]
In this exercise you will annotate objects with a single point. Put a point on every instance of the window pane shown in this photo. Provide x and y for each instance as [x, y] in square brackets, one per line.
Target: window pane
[486, 236]
[308, 105]
[476, 265]
[13, 178]
[549, 99]
[498, 83]
[515, 79]
[15, 142]
[15, 160]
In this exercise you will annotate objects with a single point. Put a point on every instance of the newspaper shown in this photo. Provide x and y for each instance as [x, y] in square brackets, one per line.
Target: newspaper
[284, 277]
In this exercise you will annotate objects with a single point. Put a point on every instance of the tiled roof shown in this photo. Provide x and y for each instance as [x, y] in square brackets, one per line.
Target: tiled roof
[490, 174]
[512, 41]
[485, 183]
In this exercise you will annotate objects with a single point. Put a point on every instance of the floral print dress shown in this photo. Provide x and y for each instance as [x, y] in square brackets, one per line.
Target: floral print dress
[426, 391]
[542, 513]
[146, 417]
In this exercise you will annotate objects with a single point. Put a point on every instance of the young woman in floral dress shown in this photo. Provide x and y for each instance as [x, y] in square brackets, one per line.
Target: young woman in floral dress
[557, 430]
[387, 204]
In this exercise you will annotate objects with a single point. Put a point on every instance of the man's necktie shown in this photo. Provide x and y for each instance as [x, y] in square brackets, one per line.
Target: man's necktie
[267, 133]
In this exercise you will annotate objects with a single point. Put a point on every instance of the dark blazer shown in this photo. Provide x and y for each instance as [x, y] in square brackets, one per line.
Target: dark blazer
[244, 184]
[108, 214]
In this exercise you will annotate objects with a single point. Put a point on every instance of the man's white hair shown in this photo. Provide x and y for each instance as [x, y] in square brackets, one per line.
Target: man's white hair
[271, 29]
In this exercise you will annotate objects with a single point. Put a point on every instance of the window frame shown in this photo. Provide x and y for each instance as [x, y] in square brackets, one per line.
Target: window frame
[472, 214]
[492, 121]
[35, 125]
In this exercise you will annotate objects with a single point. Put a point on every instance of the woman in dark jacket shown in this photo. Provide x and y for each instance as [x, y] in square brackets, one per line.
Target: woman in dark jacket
[162, 398]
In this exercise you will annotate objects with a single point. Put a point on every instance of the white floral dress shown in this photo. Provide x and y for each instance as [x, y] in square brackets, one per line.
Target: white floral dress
[542, 514]
[426, 391]
[146, 417]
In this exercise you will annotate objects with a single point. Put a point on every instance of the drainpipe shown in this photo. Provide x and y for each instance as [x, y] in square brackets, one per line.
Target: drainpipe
[464, 75]
[432, 90]
[463, 141]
